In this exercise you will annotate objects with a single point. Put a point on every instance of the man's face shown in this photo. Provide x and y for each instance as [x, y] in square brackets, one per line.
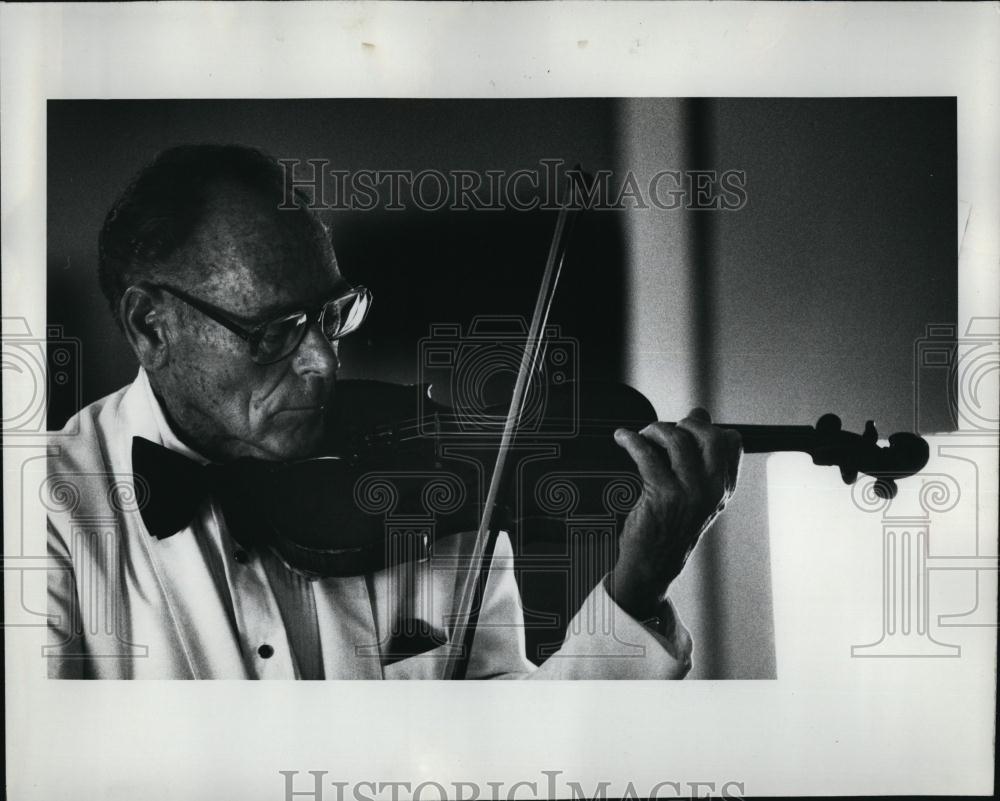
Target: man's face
[250, 264]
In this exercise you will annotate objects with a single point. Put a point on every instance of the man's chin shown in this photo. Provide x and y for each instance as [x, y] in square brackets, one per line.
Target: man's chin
[298, 441]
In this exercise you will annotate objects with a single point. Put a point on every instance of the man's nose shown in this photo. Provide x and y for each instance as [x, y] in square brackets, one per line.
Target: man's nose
[316, 355]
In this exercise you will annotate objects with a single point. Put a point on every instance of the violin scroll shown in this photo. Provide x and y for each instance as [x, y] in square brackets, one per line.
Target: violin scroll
[906, 454]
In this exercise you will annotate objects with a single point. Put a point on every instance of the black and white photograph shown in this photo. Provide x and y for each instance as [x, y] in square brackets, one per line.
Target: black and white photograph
[382, 370]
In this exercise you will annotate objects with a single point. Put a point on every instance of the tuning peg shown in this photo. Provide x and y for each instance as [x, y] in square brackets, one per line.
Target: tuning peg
[828, 424]
[885, 488]
[870, 435]
[910, 452]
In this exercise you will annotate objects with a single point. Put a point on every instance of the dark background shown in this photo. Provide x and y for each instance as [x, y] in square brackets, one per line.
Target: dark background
[423, 266]
[809, 300]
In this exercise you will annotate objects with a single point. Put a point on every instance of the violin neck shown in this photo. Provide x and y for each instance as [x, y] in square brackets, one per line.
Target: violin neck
[771, 439]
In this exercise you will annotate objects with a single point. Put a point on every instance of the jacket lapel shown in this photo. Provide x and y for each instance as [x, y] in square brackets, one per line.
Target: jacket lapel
[348, 634]
[193, 603]
[195, 607]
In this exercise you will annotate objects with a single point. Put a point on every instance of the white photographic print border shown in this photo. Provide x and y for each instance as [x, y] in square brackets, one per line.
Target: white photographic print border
[798, 736]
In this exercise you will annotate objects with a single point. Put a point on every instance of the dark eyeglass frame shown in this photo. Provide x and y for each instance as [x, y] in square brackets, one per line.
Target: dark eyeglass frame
[253, 335]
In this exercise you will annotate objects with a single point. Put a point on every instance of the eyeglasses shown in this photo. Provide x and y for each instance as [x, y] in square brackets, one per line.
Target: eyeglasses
[274, 340]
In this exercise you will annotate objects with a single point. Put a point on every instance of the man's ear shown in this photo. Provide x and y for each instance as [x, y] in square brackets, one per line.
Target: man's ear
[145, 327]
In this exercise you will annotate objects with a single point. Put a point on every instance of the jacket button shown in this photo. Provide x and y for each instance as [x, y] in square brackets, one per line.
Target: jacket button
[241, 556]
[265, 651]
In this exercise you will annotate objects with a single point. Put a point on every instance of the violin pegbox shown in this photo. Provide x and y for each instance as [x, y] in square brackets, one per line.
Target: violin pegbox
[904, 456]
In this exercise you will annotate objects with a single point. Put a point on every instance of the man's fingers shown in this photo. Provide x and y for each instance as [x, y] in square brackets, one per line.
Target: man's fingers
[683, 451]
[734, 454]
[699, 456]
[714, 450]
[702, 415]
[653, 463]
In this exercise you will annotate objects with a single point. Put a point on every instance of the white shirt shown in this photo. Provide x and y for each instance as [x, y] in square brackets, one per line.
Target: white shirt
[196, 605]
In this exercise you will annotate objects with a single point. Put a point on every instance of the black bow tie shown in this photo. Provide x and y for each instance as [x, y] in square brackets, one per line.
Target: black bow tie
[174, 486]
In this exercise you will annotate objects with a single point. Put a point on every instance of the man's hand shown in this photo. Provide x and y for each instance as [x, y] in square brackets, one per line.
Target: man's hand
[689, 472]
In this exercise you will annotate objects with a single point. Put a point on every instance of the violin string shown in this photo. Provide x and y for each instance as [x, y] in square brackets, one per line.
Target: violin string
[459, 425]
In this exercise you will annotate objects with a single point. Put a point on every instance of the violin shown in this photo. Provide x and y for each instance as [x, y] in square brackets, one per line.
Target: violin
[392, 482]
[326, 516]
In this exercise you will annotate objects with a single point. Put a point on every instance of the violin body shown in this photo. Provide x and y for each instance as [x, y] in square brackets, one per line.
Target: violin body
[400, 470]
[390, 483]
[326, 515]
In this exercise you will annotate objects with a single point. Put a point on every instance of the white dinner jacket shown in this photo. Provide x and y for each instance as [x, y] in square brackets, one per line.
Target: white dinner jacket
[126, 605]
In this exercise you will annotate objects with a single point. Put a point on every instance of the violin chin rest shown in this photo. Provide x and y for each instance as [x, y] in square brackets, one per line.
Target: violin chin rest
[413, 638]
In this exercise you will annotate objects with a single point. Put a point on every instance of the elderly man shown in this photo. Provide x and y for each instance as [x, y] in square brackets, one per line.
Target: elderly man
[231, 299]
